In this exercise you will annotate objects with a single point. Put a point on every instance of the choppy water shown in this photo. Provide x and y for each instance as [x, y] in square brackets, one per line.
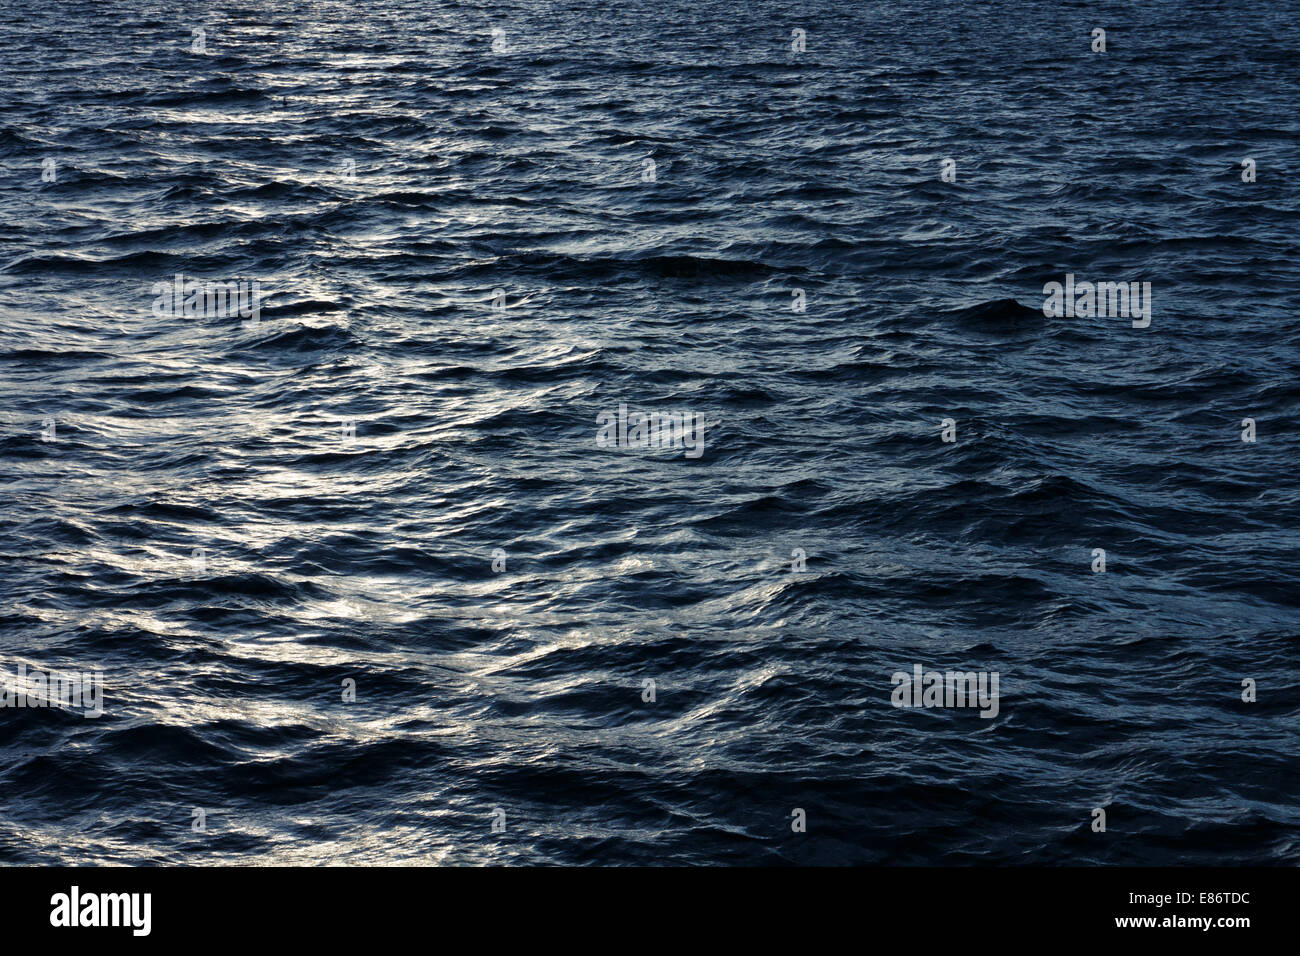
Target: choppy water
[324, 560]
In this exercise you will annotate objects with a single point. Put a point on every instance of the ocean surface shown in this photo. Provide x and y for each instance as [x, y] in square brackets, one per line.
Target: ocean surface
[470, 246]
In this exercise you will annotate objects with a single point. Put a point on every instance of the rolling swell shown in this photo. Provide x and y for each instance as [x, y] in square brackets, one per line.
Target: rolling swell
[520, 686]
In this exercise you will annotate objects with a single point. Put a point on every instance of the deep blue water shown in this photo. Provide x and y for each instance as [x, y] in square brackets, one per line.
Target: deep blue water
[775, 172]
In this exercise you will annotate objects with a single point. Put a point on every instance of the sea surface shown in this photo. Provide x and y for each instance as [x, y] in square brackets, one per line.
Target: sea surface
[470, 245]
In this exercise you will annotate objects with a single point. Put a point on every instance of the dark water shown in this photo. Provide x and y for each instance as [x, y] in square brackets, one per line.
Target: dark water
[521, 690]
